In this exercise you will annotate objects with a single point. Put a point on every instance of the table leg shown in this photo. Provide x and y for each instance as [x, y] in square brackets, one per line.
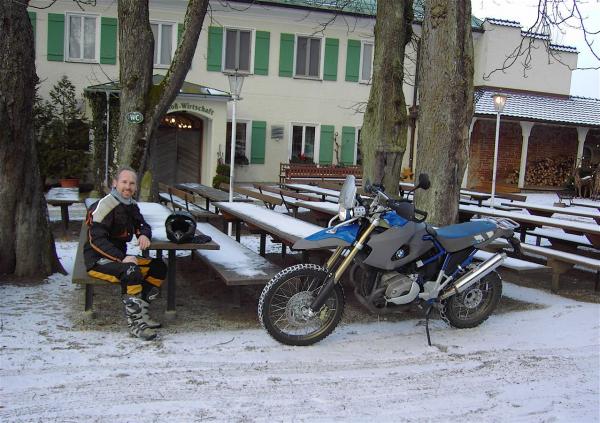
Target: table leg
[64, 214]
[263, 242]
[237, 230]
[171, 283]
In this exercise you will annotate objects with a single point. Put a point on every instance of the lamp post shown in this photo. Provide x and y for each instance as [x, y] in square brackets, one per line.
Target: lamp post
[236, 80]
[499, 102]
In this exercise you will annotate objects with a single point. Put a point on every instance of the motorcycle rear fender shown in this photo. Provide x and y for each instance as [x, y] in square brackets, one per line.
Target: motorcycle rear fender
[342, 236]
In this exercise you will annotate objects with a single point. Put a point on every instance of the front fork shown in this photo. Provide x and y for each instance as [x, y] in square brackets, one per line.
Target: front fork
[333, 279]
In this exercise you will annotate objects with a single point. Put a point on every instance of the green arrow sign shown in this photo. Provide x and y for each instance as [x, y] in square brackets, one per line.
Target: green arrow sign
[134, 117]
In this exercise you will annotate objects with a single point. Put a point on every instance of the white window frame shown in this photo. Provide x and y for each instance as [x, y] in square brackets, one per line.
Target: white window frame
[252, 44]
[362, 57]
[317, 145]
[321, 57]
[248, 124]
[157, 43]
[96, 58]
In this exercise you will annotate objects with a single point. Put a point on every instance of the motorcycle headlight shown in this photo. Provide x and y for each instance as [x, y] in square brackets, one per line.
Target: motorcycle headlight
[344, 213]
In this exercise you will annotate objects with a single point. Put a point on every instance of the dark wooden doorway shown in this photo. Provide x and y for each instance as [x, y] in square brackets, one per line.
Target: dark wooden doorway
[177, 150]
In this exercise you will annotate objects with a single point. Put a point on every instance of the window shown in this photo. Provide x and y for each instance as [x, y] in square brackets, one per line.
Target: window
[237, 50]
[240, 143]
[308, 57]
[366, 62]
[303, 142]
[164, 38]
[82, 38]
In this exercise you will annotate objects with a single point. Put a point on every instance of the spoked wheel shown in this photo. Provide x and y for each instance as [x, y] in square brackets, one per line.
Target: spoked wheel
[473, 306]
[284, 306]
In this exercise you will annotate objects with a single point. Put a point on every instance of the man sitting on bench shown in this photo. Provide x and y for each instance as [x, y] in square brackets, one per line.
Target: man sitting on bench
[112, 222]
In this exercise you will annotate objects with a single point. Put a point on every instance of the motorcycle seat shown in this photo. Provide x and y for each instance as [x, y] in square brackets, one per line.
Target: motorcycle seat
[463, 235]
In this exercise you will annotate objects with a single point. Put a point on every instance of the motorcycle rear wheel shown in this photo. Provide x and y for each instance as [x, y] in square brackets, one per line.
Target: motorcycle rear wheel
[285, 300]
[473, 306]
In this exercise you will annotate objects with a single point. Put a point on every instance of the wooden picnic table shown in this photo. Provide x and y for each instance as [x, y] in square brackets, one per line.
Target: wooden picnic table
[323, 192]
[527, 222]
[210, 193]
[63, 197]
[155, 215]
[548, 211]
[282, 227]
[480, 197]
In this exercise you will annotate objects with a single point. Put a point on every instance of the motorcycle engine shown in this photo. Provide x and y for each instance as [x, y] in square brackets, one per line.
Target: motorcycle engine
[400, 288]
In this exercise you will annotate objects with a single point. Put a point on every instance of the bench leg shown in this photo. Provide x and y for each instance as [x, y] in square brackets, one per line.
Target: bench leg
[263, 242]
[237, 230]
[558, 268]
[283, 251]
[89, 297]
[237, 301]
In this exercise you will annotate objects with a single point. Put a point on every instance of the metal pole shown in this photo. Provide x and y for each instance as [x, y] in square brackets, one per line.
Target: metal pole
[107, 139]
[495, 158]
[232, 157]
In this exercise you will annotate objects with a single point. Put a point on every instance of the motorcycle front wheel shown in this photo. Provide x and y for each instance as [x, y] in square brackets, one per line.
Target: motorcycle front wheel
[473, 306]
[284, 306]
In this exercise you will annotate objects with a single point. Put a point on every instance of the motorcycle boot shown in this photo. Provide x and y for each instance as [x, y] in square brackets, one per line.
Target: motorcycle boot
[149, 295]
[134, 307]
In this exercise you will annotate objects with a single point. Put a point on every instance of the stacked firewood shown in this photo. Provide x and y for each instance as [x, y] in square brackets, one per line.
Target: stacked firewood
[549, 171]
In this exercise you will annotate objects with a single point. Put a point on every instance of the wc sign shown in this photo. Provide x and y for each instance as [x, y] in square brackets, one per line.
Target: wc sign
[134, 117]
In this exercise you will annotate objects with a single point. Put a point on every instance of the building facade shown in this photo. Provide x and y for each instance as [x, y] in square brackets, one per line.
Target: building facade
[308, 76]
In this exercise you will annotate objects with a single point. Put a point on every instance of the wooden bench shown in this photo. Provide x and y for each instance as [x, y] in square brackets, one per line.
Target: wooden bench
[560, 240]
[290, 198]
[561, 261]
[316, 173]
[269, 201]
[175, 198]
[235, 264]
[80, 275]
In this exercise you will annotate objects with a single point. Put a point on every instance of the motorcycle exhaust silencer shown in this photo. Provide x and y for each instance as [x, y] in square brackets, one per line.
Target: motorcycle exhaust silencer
[474, 275]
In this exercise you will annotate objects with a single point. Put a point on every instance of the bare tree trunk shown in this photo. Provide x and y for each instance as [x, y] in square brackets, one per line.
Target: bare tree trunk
[383, 135]
[136, 53]
[26, 242]
[446, 105]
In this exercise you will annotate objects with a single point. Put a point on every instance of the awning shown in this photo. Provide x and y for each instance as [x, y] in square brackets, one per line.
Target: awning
[537, 107]
[188, 89]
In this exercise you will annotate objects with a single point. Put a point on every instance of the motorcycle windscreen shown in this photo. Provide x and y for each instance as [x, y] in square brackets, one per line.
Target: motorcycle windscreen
[328, 238]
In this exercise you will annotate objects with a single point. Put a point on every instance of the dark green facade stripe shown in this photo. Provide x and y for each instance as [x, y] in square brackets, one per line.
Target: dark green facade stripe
[108, 41]
[179, 33]
[332, 47]
[261, 53]
[353, 60]
[33, 20]
[286, 55]
[215, 49]
[56, 37]
[348, 137]
[326, 144]
[257, 149]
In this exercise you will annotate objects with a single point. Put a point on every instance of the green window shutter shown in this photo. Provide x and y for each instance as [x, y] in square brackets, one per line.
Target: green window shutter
[286, 55]
[257, 149]
[261, 53]
[326, 144]
[108, 41]
[352, 60]
[348, 138]
[33, 20]
[332, 46]
[179, 33]
[56, 37]
[215, 49]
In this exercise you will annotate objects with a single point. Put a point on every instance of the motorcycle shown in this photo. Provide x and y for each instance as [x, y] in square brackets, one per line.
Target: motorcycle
[395, 261]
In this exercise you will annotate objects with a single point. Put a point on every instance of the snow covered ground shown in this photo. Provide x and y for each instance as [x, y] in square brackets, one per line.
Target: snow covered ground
[535, 364]
[540, 364]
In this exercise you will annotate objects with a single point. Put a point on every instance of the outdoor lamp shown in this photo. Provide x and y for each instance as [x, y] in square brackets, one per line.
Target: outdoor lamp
[499, 102]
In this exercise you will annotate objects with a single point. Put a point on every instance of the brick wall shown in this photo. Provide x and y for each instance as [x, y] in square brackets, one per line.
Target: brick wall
[544, 141]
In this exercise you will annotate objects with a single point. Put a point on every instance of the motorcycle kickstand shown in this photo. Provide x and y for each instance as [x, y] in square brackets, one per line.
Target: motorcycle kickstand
[427, 324]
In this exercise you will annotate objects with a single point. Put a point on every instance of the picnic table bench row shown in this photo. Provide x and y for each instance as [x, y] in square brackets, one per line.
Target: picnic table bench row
[178, 199]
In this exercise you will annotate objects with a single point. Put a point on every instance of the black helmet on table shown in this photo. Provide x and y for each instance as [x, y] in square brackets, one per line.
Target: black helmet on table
[180, 227]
